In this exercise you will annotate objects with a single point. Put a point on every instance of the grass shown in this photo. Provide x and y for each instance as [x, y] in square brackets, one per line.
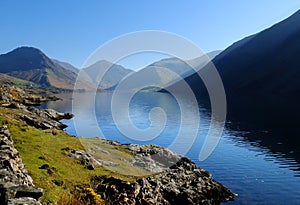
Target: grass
[45, 155]
[114, 153]
[38, 148]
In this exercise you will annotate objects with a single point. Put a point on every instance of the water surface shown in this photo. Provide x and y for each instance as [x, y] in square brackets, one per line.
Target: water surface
[244, 160]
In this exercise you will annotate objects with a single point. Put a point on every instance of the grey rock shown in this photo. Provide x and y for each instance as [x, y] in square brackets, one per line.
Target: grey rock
[15, 105]
[16, 186]
[89, 161]
[57, 115]
[152, 158]
[23, 200]
[183, 183]
[45, 119]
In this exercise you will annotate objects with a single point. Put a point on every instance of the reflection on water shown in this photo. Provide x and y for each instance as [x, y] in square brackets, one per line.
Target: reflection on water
[262, 167]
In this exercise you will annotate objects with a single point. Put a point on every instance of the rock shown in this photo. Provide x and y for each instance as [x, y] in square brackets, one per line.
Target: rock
[31, 103]
[53, 98]
[15, 105]
[111, 142]
[98, 149]
[57, 115]
[16, 186]
[16, 98]
[23, 200]
[89, 161]
[28, 191]
[44, 119]
[152, 158]
[183, 183]
[6, 97]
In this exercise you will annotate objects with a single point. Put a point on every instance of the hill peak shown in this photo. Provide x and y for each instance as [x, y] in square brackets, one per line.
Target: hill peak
[31, 64]
[26, 50]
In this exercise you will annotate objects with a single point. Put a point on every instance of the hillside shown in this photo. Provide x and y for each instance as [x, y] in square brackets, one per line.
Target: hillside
[261, 78]
[111, 78]
[265, 64]
[202, 60]
[6, 79]
[66, 66]
[33, 65]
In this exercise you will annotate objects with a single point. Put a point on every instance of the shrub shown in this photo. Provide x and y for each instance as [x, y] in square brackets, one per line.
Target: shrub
[90, 196]
[86, 196]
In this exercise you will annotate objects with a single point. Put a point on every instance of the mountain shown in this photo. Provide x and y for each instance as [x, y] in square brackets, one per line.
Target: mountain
[261, 76]
[112, 74]
[202, 60]
[33, 65]
[66, 66]
[265, 64]
[176, 69]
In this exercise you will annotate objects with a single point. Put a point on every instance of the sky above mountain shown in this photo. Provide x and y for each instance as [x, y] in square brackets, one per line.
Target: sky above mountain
[71, 30]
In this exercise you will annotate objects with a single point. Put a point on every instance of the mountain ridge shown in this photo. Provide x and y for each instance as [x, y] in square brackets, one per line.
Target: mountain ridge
[66, 65]
[31, 64]
[111, 74]
[169, 70]
[260, 74]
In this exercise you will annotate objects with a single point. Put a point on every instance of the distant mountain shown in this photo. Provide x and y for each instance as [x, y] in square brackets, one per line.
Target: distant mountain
[202, 60]
[33, 65]
[66, 66]
[174, 64]
[111, 78]
[170, 70]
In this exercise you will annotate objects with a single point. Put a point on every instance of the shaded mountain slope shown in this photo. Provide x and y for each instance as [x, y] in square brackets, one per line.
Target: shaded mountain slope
[261, 78]
[265, 64]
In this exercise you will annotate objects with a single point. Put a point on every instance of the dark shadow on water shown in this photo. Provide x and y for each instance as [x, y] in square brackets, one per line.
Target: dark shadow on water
[271, 125]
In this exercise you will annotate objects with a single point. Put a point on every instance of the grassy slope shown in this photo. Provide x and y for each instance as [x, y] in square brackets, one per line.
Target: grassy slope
[40, 147]
[58, 82]
[17, 81]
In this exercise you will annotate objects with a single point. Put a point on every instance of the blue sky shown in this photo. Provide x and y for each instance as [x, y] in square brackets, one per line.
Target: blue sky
[71, 30]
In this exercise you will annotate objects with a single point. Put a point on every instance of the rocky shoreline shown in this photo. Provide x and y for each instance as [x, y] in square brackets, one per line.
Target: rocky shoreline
[172, 179]
[182, 183]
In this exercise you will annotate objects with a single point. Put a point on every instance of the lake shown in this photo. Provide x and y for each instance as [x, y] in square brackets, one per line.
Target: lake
[258, 173]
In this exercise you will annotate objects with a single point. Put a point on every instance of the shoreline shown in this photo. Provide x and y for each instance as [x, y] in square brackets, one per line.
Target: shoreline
[165, 178]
